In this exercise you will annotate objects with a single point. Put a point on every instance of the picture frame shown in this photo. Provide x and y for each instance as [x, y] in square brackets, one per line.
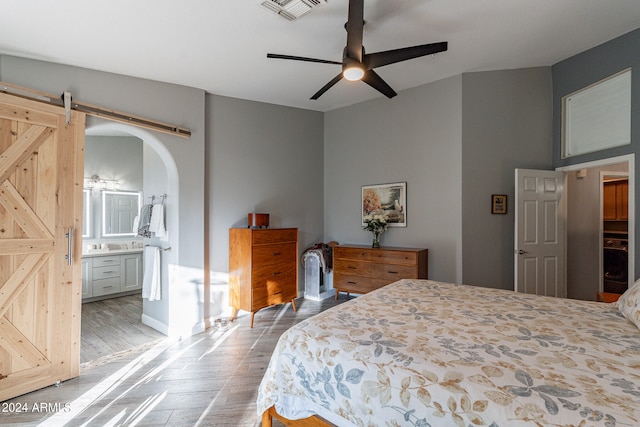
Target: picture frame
[498, 203]
[386, 199]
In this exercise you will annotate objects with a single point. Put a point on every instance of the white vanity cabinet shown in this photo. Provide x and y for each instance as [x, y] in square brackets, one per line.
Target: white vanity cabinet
[131, 272]
[104, 276]
[87, 289]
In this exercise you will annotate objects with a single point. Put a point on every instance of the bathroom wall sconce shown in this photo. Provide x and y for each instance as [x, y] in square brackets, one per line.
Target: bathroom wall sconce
[94, 181]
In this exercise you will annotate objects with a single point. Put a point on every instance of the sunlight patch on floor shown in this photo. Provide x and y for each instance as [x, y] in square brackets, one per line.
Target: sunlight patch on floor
[142, 410]
[101, 391]
[110, 384]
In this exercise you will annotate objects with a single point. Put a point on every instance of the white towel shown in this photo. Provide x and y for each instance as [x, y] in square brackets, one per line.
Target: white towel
[156, 225]
[151, 283]
[143, 221]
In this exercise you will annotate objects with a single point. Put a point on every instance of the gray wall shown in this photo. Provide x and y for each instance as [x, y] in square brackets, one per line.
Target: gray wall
[506, 124]
[115, 157]
[589, 67]
[156, 184]
[455, 142]
[415, 138]
[262, 158]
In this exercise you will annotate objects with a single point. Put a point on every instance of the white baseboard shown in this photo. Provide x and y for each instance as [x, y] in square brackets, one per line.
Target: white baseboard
[153, 323]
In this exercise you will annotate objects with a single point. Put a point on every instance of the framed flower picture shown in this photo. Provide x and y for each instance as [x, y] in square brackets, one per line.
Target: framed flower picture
[386, 199]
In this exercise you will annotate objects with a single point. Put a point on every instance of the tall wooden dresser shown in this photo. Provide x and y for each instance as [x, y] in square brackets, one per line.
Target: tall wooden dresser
[362, 269]
[263, 268]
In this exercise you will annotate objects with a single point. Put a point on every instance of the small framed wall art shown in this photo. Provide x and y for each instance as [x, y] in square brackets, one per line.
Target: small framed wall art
[386, 199]
[498, 203]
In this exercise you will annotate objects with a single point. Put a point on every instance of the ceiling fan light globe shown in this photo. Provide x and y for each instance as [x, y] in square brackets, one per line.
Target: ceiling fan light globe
[353, 73]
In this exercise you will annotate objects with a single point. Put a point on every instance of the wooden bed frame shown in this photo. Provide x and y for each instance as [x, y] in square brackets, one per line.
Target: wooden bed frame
[313, 421]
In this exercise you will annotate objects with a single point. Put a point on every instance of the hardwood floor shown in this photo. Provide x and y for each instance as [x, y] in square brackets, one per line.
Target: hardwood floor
[210, 379]
[112, 327]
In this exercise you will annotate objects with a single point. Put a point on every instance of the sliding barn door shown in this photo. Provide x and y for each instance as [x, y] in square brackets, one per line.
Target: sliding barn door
[41, 167]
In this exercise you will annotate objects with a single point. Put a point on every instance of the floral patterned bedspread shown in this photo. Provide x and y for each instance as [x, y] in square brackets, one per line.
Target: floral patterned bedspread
[425, 353]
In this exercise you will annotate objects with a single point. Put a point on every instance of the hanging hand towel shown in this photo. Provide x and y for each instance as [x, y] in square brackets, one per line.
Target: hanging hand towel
[151, 283]
[156, 224]
[144, 220]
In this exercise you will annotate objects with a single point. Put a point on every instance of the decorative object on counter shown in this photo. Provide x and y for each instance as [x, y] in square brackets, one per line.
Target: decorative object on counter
[386, 199]
[498, 203]
[258, 220]
[377, 224]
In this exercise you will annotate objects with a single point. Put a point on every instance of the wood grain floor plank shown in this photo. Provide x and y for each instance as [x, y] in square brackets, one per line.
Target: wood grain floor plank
[210, 379]
[113, 326]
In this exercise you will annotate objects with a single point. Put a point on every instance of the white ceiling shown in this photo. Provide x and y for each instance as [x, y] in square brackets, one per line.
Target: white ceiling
[221, 46]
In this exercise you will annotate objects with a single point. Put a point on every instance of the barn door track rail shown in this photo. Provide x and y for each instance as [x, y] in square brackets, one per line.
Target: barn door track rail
[65, 101]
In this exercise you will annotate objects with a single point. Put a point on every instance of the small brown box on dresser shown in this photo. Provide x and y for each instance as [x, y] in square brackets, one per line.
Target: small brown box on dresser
[362, 269]
[263, 268]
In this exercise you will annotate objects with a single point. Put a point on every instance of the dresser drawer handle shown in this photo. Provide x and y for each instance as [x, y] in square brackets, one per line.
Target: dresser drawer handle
[277, 253]
[352, 267]
[393, 272]
[108, 260]
[107, 272]
[105, 287]
[277, 273]
[352, 283]
[276, 293]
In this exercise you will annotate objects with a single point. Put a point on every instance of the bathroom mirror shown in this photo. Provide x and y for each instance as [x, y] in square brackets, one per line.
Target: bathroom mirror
[86, 213]
[119, 209]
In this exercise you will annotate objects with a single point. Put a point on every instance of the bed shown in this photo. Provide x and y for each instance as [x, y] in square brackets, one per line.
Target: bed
[427, 353]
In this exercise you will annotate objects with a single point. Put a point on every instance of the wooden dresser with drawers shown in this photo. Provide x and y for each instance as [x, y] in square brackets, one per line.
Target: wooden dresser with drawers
[263, 268]
[361, 269]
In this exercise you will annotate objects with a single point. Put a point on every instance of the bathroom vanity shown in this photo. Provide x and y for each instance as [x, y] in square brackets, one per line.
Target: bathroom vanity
[111, 267]
[111, 273]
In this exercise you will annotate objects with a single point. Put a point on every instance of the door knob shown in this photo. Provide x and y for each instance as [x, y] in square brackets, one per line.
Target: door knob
[521, 252]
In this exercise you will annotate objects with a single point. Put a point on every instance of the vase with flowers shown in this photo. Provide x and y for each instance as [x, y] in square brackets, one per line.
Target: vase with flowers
[377, 224]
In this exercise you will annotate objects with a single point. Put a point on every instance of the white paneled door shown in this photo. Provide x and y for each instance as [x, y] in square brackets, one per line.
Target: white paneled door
[41, 168]
[540, 265]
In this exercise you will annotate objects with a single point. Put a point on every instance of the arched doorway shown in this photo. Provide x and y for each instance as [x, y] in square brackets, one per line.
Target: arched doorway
[160, 178]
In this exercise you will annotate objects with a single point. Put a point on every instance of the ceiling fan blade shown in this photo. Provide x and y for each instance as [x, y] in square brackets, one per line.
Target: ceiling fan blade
[355, 28]
[301, 58]
[378, 59]
[328, 86]
[375, 81]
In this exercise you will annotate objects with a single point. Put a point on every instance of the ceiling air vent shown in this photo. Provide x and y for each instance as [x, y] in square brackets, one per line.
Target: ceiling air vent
[291, 9]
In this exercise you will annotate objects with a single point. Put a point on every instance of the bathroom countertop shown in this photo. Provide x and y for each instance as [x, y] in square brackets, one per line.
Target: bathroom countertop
[104, 252]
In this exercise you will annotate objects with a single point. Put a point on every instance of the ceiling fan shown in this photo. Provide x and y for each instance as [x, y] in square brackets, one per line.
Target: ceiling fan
[358, 65]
